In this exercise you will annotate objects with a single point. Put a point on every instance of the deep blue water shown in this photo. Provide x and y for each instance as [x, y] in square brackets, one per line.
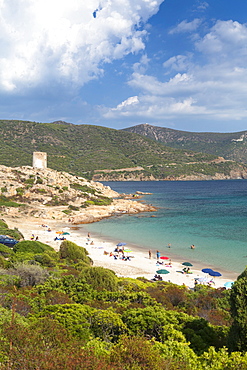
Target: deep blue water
[212, 215]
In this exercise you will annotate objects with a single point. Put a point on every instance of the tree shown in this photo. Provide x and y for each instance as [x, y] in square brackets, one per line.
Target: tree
[238, 300]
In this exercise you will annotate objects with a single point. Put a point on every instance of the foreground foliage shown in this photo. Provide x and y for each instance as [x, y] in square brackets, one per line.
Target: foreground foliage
[58, 311]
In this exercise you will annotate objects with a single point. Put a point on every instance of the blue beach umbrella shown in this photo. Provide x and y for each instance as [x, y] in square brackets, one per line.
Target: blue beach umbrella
[214, 273]
[207, 270]
[121, 244]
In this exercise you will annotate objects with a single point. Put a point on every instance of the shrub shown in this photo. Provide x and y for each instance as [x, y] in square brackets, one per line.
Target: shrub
[83, 188]
[29, 275]
[29, 181]
[19, 191]
[67, 211]
[13, 233]
[100, 278]
[7, 202]
[31, 246]
[3, 224]
[73, 253]
[45, 260]
[5, 251]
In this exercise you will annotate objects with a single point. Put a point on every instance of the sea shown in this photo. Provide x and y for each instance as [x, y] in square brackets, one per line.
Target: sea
[211, 215]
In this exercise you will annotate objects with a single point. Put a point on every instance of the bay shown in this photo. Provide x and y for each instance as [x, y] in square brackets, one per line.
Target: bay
[212, 215]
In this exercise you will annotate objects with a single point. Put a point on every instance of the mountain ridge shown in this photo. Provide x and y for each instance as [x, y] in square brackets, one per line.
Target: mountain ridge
[88, 151]
[232, 146]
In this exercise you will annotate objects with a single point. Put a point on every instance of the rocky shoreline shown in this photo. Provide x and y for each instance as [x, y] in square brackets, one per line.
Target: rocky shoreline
[49, 194]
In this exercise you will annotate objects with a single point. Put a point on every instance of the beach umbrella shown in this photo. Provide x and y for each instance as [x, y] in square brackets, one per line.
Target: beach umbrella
[127, 250]
[214, 273]
[66, 233]
[228, 284]
[163, 271]
[207, 270]
[164, 258]
[59, 232]
[121, 244]
[204, 279]
[187, 264]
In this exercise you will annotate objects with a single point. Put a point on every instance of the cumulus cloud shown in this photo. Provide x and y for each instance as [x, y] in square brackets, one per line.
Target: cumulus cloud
[67, 41]
[186, 26]
[130, 101]
[210, 84]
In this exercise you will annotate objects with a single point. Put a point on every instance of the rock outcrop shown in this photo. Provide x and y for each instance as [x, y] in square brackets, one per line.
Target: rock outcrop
[49, 194]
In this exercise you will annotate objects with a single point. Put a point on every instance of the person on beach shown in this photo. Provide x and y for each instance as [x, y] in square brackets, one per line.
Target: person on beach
[158, 255]
[149, 254]
[169, 245]
[192, 246]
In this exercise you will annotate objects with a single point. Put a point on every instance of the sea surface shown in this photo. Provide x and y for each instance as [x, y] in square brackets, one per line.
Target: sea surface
[212, 215]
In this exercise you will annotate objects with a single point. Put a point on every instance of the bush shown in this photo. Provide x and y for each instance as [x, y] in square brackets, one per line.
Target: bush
[5, 251]
[100, 278]
[45, 260]
[31, 246]
[73, 253]
[83, 188]
[29, 275]
[13, 233]
[3, 224]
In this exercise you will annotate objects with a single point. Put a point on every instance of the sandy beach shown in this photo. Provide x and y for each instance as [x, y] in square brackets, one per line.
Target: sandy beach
[138, 265]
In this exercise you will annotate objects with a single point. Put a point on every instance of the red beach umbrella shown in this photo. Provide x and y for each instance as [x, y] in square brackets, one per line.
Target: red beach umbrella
[164, 258]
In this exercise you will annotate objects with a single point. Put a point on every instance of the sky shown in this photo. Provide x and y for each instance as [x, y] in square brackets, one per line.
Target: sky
[180, 64]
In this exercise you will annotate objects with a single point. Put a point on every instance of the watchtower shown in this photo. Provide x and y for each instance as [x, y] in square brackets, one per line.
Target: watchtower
[40, 160]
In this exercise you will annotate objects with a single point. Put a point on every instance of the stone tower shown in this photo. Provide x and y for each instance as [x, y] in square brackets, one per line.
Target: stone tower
[40, 160]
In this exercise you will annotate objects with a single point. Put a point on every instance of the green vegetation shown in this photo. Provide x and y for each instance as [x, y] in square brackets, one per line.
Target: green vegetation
[58, 311]
[83, 188]
[7, 202]
[84, 149]
[231, 146]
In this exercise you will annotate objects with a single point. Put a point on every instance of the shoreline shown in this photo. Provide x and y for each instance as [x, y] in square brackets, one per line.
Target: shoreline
[138, 266]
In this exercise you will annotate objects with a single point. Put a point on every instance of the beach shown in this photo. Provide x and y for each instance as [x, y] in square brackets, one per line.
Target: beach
[102, 253]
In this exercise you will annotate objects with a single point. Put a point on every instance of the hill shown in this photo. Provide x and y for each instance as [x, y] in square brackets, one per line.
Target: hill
[101, 153]
[232, 146]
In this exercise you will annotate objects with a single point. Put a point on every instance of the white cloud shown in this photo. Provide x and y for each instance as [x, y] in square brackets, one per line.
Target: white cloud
[202, 6]
[211, 84]
[121, 108]
[226, 38]
[59, 40]
[186, 26]
[178, 62]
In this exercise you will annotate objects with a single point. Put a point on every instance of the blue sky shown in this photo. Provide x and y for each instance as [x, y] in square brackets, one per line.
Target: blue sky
[118, 63]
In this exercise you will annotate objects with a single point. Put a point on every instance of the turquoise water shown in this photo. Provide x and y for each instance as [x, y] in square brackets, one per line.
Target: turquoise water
[212, 215]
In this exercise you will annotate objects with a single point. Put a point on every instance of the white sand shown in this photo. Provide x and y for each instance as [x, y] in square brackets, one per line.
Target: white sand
[139, 265]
